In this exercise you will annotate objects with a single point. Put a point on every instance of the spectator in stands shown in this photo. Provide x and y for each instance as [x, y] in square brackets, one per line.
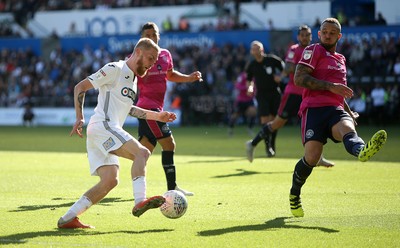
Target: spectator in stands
[356, 56]
[183, 25]
[380, 20]
[28, 115]
[379, 97]
[317, 23]
[396, 66]
[167, 25]
[393, 102]
[358, 104]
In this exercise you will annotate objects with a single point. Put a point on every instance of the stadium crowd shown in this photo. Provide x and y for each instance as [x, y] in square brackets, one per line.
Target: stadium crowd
[28, 78]
[23, 11]
[25, 78]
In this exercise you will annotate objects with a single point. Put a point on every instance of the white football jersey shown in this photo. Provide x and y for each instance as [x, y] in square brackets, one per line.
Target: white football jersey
[117, 86]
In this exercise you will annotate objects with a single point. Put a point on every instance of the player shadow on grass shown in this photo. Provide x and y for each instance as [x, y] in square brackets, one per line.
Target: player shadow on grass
[22, 238]
[242, 172]
[213, 161]
[270, 225]
[104, 202]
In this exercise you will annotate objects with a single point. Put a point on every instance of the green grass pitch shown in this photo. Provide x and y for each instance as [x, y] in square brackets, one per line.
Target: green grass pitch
[236, 204]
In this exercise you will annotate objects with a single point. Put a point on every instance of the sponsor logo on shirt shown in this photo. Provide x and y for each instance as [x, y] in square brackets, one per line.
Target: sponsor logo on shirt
[337, 67]
[128, 92]
[152, 73]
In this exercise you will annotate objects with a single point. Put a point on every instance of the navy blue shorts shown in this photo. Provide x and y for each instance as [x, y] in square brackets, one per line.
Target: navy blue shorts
[289, 107]
[317, 123]
[153, 130]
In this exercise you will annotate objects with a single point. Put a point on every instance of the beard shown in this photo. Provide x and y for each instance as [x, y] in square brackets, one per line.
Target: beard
[141, 70]
[329, 46]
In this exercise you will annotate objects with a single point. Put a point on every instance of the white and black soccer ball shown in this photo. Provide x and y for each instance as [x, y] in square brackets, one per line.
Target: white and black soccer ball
[175, 205]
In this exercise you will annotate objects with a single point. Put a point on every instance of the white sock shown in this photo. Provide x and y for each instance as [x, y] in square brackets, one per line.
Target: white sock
[139, 189]
[77, 208]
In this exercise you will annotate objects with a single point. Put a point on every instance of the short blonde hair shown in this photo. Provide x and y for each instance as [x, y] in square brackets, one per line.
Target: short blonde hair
[146, 44]
[333, 21]
[257, 43]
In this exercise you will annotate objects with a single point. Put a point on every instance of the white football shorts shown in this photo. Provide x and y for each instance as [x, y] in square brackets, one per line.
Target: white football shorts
[103, 137]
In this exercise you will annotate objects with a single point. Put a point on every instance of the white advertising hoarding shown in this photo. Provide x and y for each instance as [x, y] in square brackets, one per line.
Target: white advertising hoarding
[58, 117]
[285, 15]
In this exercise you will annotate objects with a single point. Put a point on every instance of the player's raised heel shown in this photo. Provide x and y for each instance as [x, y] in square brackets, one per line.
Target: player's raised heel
[152, 202]
[185, 192]
[295, 206]
[373, 146]
[249, 151]
[325, 163]
[73, 223]
[270, 152]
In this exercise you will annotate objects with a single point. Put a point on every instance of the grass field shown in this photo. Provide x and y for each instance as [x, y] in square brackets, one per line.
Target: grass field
[236, 204]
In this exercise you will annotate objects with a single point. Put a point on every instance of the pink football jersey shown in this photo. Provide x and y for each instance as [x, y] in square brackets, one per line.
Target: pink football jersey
[326, 66]
[153, 86]
[293, 56]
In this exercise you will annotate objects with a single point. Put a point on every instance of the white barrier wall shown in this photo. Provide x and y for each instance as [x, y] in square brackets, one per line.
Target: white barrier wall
[285, 15]
[55, 117]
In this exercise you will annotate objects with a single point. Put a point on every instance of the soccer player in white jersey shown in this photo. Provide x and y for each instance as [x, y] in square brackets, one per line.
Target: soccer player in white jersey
[107, 140]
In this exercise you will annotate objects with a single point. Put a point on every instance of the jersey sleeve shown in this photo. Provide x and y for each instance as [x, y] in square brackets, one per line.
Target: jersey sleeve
[279, 64]
[291, 55]
[170, 60]
[106, 75]
[310, 56]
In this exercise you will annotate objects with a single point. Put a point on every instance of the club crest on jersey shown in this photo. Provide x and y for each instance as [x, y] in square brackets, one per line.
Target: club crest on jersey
[108, 144]
[159, 67]
[307, 54]
[100, 74]
[128, 92]
[268, 70]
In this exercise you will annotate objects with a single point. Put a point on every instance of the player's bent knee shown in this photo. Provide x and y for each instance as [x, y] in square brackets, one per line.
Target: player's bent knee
[110, 183]
[145, 153]
[312, 160]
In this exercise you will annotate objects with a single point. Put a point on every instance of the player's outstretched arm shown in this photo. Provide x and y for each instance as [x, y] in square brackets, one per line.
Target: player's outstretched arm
[79, 100]
[163, 116]
[178, 77]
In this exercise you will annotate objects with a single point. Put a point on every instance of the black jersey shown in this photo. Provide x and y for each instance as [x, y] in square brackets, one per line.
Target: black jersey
[262, 73]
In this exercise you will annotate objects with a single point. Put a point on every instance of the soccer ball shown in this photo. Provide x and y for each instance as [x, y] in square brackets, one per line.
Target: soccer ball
[175, 205]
